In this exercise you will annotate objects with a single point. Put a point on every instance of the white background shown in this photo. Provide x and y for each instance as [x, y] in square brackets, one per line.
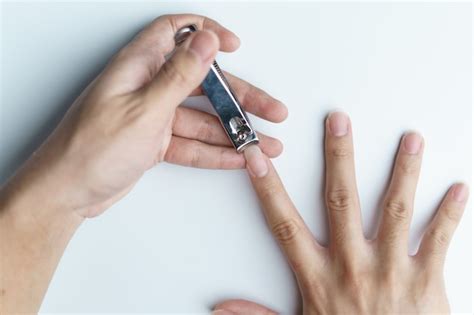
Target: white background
[184, 238]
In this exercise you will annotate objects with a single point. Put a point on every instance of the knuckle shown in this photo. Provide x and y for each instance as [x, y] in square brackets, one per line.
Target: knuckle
[221, 162]
[353, 276]
[396, 209]
[136, 112]
[341, 152]
[285, 232]
[354, 283]
[439, 237]
[165, 18]
[227, 161]
[268, 190]
[313, 288]
[390, 276]
[174, 74]
[195, 159]
[452, 215]
[205, 130]
[391, 237]
[339, 200]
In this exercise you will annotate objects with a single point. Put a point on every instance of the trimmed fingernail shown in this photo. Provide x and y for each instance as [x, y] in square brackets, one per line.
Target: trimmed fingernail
[284, 109]
[256, 163]
[460, 192]
[412, 142]
[222, 312]
[237, 40]
[204, 44]
[338, 124]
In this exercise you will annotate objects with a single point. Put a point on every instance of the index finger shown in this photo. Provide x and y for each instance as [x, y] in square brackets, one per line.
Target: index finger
[286, 225]
[158, 36]
[137, 63]
[254, 100]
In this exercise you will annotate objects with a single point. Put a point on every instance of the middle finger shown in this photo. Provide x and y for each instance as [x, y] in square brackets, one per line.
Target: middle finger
[197, 125]
[254, 100]
[341, 191]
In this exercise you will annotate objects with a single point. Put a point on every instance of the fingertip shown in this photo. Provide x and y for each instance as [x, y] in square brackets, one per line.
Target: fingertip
[338, 123]
[275, 148]
[256, 163]
[412, 142]
[284, 111]
[204, 44]
[233, 42]
[279, 112]
[229, 41]
[460, 192]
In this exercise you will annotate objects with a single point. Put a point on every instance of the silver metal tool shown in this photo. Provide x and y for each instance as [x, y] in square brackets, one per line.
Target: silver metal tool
[230, 113]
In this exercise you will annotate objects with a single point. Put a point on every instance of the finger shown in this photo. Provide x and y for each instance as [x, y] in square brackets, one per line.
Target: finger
[254, 100]
[436, 239]
[341, 190]
[286, 225]
[158, 36]
[194, 124]
[194, 153]
[256, 163]
[181, 74]
[241, 307]
[398, 203]
[138, 62]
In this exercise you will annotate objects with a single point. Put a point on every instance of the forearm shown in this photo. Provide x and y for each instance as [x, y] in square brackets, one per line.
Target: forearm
[34, 231]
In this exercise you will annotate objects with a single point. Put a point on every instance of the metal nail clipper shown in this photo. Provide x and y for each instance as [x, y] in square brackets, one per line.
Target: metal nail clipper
[230, 113]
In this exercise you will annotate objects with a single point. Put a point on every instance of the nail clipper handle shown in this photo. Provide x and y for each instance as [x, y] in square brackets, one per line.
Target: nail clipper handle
[230, 113]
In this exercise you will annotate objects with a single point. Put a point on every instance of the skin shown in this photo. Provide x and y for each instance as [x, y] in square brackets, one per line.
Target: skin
[125, 122]
[353, 275]
[128, 120]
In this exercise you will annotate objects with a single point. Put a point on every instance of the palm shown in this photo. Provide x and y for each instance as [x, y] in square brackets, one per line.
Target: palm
[145, 131]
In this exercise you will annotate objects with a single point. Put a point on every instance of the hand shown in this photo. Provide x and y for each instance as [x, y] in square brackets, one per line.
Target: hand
[354, 275]
[128, 119]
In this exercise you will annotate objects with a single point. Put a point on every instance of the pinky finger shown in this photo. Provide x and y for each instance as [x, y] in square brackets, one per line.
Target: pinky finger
[187, 152]
[434, 245]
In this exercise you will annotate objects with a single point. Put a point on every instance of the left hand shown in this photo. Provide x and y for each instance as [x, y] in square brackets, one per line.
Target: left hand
[353, 275]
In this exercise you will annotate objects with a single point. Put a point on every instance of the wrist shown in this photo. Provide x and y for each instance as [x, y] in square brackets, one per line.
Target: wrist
[35, 228]
[34, 199]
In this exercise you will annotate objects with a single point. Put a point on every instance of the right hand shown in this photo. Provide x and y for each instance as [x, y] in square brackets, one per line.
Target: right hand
[354, 275]
[128, 120]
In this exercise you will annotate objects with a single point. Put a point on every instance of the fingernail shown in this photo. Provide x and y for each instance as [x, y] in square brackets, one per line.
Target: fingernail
[222, 312]
[284, 108]
[237, 40]
[338, 124]
[460, 192]
[204, 45]
[256, 163]
[412, 142]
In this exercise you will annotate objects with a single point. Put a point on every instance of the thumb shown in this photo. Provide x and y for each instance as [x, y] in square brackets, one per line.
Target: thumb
[183, 72]
[241, 307]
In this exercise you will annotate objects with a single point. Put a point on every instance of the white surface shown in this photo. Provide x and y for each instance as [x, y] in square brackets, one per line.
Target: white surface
[185, 239]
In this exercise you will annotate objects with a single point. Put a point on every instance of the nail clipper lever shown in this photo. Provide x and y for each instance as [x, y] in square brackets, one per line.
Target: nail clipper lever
[230, 113]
